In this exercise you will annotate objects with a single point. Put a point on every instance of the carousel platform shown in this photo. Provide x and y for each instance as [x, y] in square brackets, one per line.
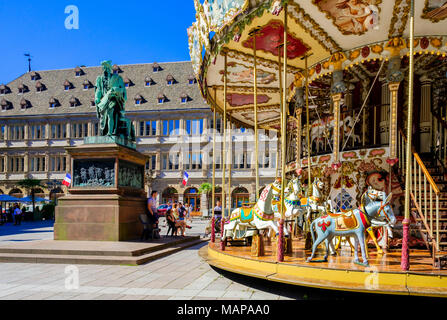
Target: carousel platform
[383, 276]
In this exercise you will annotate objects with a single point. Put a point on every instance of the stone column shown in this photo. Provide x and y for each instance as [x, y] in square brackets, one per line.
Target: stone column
[253, 194]
[68, 162]
[26, 133]
[47, 131]
[384, 127]
[425, 114]
[68, 129]
[26, 164]
[204, 204]
[336, 100]
[89, 129]
[394, 88]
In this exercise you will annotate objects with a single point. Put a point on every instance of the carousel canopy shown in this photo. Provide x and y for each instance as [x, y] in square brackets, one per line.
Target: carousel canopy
[349, 35]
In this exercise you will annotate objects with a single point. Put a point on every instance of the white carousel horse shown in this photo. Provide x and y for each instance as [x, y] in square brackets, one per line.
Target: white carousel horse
[316, 203]
[292, 198]
[261, 216]
[353, 223]
[348, 125]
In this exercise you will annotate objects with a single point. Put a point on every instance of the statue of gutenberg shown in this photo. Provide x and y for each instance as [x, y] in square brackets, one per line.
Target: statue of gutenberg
[110, 99]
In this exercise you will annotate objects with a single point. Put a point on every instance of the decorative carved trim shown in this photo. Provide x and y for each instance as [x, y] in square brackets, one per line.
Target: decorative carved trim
[426, 11]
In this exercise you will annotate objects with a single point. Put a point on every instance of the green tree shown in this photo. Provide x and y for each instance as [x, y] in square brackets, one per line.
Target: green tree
[205, 188]
[31, 185]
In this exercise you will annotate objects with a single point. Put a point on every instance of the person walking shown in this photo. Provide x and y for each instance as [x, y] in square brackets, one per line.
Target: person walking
[17, 215]
[181, 217]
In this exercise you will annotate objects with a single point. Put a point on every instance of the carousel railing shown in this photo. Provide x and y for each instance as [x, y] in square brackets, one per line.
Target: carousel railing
[440, 138]
[424, 193]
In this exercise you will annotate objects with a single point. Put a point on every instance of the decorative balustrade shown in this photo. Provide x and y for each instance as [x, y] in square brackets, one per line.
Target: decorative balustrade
[424, 192]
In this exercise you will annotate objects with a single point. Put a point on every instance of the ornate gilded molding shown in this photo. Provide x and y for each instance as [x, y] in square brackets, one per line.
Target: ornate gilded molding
[400, 17]
[307, 23]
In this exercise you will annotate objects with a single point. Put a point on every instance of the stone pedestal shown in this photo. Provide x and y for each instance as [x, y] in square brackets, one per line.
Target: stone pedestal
[106, 196]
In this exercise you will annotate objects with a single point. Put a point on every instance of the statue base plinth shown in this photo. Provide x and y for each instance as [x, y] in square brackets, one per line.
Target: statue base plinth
[106, 197]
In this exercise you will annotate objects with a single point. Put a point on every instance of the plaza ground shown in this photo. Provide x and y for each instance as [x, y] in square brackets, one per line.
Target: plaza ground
[183, 275]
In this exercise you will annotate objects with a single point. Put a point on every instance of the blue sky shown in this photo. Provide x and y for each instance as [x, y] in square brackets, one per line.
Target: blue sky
[126, 32]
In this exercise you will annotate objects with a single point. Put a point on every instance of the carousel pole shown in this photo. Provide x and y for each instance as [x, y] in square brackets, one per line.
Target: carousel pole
[405, 259]
[280, 101]
[255, 111]
[309, 175]
[222, 243]
[280, 250]
[230, 162]
[213, 231]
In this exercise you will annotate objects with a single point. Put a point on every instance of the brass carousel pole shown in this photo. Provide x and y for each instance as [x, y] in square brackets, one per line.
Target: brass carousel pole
[224, 125]
[307, 234]
[255, 101]
[405, 259]
[280, 250]
[213, 231]
[280, 102]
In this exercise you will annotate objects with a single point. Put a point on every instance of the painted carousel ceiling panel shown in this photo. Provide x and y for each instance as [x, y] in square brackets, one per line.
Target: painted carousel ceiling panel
[360, 32]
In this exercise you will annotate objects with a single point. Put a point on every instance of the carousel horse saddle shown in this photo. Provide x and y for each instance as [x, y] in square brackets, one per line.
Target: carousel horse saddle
[244, 215]
[344, 220]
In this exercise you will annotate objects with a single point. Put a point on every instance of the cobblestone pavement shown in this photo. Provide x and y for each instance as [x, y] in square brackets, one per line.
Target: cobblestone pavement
[183, 275]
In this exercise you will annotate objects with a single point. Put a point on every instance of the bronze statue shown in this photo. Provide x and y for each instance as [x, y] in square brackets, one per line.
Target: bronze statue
[110, 99]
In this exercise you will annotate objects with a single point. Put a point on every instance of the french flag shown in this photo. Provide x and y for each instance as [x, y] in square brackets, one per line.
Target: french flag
[67, 180]
[185, 178]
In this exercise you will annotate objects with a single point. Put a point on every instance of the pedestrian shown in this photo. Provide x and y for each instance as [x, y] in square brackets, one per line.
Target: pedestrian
[181, 217]
[153, 212]
[189, 209]
[17, 215]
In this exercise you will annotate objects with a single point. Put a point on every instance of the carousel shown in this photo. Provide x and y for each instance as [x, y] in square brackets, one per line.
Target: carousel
[357, 93]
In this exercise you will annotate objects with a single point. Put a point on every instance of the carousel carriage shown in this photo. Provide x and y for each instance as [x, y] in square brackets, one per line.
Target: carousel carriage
[355, 89]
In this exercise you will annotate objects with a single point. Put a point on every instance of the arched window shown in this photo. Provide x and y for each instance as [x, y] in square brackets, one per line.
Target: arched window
[169, 194]
[16, 192]
[240, 196]
[192, 197]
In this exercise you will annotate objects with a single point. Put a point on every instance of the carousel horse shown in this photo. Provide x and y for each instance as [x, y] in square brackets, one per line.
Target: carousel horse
[348, 125]
[370, 195]
[261, 216]
[352, 223]
[315, 203]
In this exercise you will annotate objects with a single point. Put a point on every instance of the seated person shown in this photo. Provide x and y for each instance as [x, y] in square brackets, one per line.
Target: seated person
[172, 222]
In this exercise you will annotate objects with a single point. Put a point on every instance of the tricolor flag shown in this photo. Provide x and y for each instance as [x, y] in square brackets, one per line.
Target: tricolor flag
[67, 180]
[185, 178]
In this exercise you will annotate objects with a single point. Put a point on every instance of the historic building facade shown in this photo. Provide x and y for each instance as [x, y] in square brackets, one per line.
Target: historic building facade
[45, 111]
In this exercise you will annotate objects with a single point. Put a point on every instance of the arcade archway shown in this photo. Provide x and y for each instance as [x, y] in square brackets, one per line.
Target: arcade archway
[169, 194]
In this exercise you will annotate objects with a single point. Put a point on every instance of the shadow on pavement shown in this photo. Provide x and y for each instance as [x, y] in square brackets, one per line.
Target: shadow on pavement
[26, 228]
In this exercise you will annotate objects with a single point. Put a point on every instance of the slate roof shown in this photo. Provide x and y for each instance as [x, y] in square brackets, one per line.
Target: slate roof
[54, 80]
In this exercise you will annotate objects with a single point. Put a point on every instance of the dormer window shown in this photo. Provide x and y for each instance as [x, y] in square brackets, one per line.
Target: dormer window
[138, 99]
[184, 98]
[148, 81]
[156, 67]
[53, 103]
[34, 76]
[40, 86]
[4, 89]
[161, 98]
[22, 88]
[24, 103]
[73, 102]
[67, 85]
[170, 80]
[127, 82]
[191, 80]
[5, 104]
[116, 69]
[78, 72]
[87, 85]
[92, 103]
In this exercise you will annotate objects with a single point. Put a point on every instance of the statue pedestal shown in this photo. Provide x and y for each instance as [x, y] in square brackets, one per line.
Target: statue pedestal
[106, 196]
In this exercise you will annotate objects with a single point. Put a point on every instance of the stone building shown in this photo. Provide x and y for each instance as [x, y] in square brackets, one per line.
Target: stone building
[42, 112]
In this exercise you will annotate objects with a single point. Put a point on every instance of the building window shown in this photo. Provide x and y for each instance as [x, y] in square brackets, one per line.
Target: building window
[16, 164]
[170, 162]
[86, 86]
[96, 128]
[2, 132]
[194, 127]
[2, 164]
[192, 81]
[17, 132]
[171, 127]
[58, 164]
[58, 131]
[193, 161]
[37, 164]
[37, 132]
[67, 87]
[138, 101]
[126, 84]
[218, 124]
[169, 82]
[148, 128]
[151, 163]
[79, 130]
